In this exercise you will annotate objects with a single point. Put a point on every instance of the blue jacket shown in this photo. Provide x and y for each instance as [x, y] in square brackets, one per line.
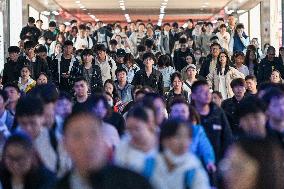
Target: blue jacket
[124, 94]
[201, 145]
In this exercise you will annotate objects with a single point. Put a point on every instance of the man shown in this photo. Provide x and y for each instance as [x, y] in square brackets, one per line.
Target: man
[31, 120]
[102, 35]
[180, 54]
[113, 49]
[51, 32]
[239, 40]
[231, 24]
[149, 76]
[210, 63]
[14, 95]
[267, 65]
[82, 41]
[30, 30]
[251, 85]
[230, 105]
[252, 114]
[81, 91]
[63, 64]
[39, 24]
[120, 54]
[124, 89]
[274, 99]
[6, 118]
[220, 21]
[213, 118]
[190, 27]
[168, 40]
[106, 63]
[139, 60]
[84, 141]
[137, 36]
[11, 71]
[35, 63]
[203, 40]
[89, 70]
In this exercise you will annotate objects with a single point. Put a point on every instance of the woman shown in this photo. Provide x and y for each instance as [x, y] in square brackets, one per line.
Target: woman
[253, 164]
[190, 59]
[223, 36]
[221, 77]
[281, 55]
[164, 66]
[26, 83]
[174, 166]
[177, 91]
[42, 79]
[60, 39]
[239, 59]
[130, 66]
[251, 62]
[21, 169]
[57, 50]
[275, 77]
[110, 88]
[217, 98]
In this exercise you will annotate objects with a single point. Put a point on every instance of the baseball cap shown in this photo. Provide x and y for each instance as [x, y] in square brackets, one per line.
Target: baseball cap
[190, 66]
[120, 52]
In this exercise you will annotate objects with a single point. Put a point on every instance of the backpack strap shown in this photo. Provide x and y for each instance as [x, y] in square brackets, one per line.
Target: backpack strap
[188, 178]
[149, 167]
[187, 84]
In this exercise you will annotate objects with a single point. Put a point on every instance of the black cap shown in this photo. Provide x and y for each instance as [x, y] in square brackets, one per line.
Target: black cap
[13, 49]
[120, 52]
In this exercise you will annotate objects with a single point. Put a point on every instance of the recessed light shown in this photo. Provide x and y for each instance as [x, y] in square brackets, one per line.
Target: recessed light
[84, 9]
[78, 2]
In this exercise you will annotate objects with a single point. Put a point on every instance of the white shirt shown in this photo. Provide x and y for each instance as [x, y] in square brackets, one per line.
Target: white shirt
[162, 178]
[129, 157]
[222, 86]
[166, 72]
[243, 69]
[82, 43]
[224, 39]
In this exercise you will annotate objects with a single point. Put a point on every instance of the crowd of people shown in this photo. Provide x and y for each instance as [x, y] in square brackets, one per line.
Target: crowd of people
[95, 105]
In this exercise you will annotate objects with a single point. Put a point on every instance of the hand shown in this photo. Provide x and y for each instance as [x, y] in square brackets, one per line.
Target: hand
[211, 167]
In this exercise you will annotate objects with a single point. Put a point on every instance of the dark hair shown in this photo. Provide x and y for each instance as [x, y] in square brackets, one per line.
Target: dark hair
[198, 83]
[40, 48]
[81, 78]
[218, 93]
[74, 28]
[237, 82]
[192, 56]
[223, 26]
[174, 75]
[80, 115]
[252, 77]
[175, 25]
[164, 60]
[100, 47]
[149, 55]
[73, 21]
[64, 95]
[220, 19]
[52, 24]
[215, 44]
[4, 95]
[48, 93]
[269, 156]
[149, 43]
[19, 139]
[240, 26]
[272, 93]
[29, 44]
[194, 115]
[86, 52]
[141, 48]
[166, 24]
[182, 40]
[128, 57]
[138, 112]
[218, 65]
[170, 128]
[177, 100]
[250, 105]
[113, 42]
[120, 69]
[31, 20]
[255, 61]
[29, 106]
[67, 43]
[190, 20]
[13, 85]
[208, 23]
[114, 93]
[82, 27]
[14, 49]
[93, 100]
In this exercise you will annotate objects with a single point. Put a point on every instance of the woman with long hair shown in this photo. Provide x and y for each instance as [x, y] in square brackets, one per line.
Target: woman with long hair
[251, 62]
[220, 79]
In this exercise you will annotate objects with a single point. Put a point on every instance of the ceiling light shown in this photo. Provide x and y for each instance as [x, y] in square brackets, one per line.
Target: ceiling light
[121, 1]
[82, 7]
[55, 13]
[78, 2]
[46, 13]
[97, 20]
[67, 23]
[121, 4]
[203, 6]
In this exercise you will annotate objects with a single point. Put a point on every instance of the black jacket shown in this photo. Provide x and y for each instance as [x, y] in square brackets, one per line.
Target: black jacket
[36, 67]
[266, 67]
[179, 59]
[39, 178]
[11, 72]
[34, 31]
[155, 80]
[218, 130]
[204, 70]
[111, 177]
[230, 107]
[96, 81]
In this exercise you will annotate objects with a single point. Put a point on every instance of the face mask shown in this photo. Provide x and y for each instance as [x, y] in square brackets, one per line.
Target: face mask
[117, 31]
[110, 102]
[175, 159]
[41, 42]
